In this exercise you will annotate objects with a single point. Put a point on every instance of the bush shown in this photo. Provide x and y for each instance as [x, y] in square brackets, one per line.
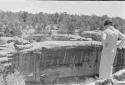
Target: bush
[2, 82]
[15, 79]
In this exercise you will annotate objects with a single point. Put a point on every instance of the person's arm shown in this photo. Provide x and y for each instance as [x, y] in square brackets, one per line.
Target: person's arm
[103, 37]
[122, 37]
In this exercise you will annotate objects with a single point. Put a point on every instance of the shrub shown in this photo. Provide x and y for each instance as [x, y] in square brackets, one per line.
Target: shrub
[15, 79]
[2, 82]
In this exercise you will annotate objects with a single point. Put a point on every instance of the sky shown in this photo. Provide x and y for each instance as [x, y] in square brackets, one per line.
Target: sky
[99, 8]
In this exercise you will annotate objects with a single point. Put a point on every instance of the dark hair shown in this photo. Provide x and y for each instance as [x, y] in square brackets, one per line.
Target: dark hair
[108, 22]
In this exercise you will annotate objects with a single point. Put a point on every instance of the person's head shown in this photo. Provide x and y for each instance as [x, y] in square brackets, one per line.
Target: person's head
[108, 22]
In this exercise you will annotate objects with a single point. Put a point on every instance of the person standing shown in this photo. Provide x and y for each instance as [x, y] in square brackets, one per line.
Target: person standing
[109, 40]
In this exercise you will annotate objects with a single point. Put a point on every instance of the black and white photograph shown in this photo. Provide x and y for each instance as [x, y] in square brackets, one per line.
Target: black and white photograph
[59, 42]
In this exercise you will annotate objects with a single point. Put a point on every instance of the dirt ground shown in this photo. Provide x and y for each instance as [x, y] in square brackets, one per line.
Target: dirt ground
[68, 81]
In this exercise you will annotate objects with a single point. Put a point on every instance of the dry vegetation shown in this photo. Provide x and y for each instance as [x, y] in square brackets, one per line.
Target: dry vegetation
[15, 78]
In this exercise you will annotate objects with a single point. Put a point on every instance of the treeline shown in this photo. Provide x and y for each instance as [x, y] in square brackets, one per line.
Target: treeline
[23, 23]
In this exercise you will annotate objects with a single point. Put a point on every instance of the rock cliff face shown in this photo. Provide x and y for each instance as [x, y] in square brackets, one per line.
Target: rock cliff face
[67, 58]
